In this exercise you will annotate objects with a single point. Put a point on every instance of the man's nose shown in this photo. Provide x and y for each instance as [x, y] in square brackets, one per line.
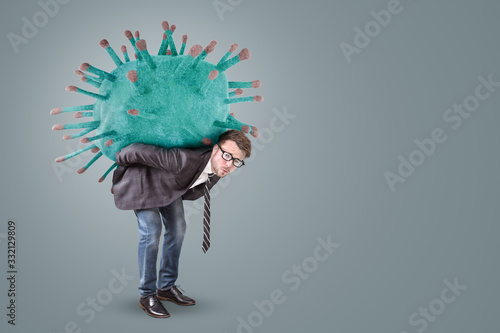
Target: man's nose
[228, 163]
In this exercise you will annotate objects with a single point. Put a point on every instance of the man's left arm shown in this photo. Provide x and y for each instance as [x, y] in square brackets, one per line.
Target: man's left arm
[171, 160]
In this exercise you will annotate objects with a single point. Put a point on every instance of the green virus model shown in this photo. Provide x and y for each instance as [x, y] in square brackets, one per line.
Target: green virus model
[168, 100]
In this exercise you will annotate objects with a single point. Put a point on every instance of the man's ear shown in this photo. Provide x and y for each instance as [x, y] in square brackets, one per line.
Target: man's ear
[214, 149]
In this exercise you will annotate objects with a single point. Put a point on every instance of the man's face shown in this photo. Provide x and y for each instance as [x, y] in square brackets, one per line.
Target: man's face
[220, 166]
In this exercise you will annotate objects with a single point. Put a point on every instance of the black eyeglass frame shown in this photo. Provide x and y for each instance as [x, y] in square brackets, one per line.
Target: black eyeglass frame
[232, 158]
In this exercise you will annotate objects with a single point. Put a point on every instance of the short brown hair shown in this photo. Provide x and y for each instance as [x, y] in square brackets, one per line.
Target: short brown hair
[239, 138]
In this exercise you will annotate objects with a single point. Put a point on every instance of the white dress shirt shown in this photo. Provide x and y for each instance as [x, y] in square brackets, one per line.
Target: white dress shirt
[204, 174]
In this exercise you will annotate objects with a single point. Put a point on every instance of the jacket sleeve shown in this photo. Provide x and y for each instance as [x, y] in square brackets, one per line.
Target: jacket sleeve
[171, 160]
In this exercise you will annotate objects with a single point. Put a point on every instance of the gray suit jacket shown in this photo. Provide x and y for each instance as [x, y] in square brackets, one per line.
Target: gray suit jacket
[148, 176]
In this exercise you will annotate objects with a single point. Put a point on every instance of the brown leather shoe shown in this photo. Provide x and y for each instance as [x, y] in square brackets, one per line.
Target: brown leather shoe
[153, 307]
[174, 295]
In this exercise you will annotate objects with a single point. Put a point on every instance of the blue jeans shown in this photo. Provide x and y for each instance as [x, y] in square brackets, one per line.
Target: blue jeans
[150, 226]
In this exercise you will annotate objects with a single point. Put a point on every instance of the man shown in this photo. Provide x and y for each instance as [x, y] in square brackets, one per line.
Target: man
[153, 182]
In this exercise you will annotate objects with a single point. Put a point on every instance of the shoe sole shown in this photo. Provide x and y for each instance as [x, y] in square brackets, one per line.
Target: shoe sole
[171, 300]
[152, 315]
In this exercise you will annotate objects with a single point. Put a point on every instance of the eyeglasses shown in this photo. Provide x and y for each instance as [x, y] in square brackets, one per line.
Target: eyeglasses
[228, 157]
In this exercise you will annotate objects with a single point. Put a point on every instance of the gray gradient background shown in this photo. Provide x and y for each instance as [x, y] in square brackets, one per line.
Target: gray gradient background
[321, 175]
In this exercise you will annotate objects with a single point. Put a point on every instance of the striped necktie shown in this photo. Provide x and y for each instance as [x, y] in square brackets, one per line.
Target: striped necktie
[206, 216]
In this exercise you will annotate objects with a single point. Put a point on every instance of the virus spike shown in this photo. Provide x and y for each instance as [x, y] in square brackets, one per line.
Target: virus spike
[135, 112]
[73, 154]
[130, 37]
[95, 150]
[141, 45]
[95, 158]
[107, 172]
[92, 82]
[256, 98]
[183, 66]
[137, 35]
[211, 77]
[102, 74]
[163, 46]
[89, 124]
[232, 48]
[77, 135]
[125, 54]
[169, 52]
[85, 92]
[171, 43]
[169, 31]
[117, 139]
[105, 44]
[55, 111]
[132, 77]
[97, 137]
[208, 49]
[206, 141]
[235, 92]
[243, 55]
[92, 77]
[213, 74]
[72, 108]
[241, 84]
[233, 123]
[255, 132]
[183, 46]
[165, 25]
[84, 114]
[195, 50]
